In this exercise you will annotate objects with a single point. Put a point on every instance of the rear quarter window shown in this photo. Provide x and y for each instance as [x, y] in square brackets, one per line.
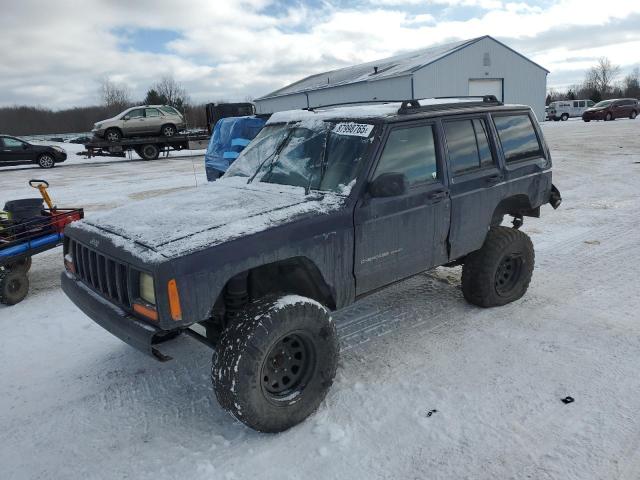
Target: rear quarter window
[517, 137]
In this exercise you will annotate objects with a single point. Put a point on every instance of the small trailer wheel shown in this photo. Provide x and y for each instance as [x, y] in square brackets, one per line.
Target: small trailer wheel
[14, 286]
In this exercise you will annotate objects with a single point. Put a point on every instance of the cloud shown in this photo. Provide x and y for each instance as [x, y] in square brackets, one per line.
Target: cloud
[55, 53]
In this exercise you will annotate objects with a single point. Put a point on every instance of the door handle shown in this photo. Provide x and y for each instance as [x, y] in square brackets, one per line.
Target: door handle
[437, 195]
[494, 178]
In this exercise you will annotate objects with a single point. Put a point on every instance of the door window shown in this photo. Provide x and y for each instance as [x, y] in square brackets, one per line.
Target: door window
[517, 137]
[411, 151]
[576, 104]
[581, 103]
[136, 113]
[152, 112]
[12, 142]
[468, 145]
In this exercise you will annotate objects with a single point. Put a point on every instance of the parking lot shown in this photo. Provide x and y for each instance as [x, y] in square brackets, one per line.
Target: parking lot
[428, 385]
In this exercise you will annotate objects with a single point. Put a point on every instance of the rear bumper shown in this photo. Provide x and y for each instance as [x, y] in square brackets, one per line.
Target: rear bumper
[116, 321]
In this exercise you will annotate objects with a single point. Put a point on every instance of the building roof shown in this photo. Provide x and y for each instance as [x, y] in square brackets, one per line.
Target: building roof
[396, 66]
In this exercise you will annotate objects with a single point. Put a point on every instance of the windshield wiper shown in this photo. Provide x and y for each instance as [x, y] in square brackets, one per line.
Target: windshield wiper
[277, 150]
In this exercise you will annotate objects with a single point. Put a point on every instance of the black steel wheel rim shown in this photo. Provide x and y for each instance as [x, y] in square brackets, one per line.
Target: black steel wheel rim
[508, 273]
[288, 367]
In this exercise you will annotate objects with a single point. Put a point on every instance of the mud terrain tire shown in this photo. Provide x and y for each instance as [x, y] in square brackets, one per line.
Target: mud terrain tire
[500, 271]
[274, 365]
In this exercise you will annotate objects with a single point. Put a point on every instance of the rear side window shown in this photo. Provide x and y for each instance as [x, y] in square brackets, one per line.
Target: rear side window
[169, 110]
[153, 112]
[517, 137]
[468, 145]
[411, 151]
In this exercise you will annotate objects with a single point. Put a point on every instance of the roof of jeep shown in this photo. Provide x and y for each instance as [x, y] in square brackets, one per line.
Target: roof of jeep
[394, 111]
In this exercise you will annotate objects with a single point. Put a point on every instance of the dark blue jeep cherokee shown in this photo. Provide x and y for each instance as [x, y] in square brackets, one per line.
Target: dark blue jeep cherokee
[322, 208]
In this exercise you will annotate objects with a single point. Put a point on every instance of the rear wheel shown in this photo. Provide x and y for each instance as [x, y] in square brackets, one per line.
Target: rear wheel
[46, 161]
[608, 117]
[274, 365]
[500, 272]
[168, 130]
[149, 151]
[113, 135]
[14, 286]
[564, 117]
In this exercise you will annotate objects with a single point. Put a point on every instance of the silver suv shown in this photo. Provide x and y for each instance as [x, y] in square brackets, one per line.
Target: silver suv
[141, 121]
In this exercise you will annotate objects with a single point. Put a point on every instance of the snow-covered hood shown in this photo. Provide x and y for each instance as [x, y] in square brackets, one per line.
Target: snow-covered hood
[197, 218]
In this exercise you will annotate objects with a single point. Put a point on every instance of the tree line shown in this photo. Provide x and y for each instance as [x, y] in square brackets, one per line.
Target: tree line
[601, 83]
[115, 97]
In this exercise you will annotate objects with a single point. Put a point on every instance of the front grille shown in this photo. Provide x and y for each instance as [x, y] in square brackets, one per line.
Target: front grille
[108, 277]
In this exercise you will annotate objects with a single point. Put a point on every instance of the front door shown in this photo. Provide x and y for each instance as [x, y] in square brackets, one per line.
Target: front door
[134, 123]
[396, 237]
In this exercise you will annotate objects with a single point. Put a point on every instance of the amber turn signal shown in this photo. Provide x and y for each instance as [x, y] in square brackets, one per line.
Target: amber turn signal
[174, 300]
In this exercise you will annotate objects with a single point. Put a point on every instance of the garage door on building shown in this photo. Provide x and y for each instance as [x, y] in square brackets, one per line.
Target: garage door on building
[486, 86]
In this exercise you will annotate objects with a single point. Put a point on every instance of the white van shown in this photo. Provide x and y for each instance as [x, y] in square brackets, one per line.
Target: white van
[563, 109]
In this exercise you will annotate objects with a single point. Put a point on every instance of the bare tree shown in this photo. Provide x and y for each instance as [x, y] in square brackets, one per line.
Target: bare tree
[172, 91]
[114, 95]
[631, 84]
[601, 76]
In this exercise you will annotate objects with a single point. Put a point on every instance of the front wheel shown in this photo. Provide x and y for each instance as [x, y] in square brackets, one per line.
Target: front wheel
[633, 115]
[113, 135]
[46, 161]
[274, 365]
[608, 117]
[500, 272]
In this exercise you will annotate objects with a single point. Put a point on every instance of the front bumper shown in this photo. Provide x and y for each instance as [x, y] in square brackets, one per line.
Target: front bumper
[60, 156]
[99, 132]
[594, 115]
[112, 318]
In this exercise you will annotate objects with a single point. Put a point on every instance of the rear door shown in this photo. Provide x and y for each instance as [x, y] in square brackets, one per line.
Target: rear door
[475, 179]
[396, 237]
[154, 119]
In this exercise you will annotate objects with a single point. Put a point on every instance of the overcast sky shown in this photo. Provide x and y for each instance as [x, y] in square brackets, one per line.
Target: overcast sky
[54, 53]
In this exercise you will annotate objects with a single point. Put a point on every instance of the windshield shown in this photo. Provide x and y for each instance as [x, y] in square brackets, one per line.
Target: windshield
[316, 155]
[604, 103]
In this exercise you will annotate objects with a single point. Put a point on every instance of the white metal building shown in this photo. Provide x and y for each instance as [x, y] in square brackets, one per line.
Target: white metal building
[479, 66]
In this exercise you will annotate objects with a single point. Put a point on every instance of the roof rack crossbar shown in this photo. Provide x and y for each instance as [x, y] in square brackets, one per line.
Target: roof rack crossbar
[413, 106]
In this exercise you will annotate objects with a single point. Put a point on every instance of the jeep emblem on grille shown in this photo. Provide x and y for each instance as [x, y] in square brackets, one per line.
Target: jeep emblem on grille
[94, 242]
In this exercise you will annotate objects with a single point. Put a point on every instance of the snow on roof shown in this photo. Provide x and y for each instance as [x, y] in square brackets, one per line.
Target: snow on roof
[398, 65]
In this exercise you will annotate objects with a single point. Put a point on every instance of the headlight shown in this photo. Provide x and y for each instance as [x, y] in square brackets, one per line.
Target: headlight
[61, 150]
[147, 291]
[97, 126]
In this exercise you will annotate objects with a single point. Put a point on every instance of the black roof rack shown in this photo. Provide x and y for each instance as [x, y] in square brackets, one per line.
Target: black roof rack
[413, 106]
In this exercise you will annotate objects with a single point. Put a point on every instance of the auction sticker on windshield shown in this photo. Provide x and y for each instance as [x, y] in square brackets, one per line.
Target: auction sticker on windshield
[354, 129]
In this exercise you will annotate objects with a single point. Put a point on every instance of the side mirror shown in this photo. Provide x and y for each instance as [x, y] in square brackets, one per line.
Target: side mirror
[389, 184]
[25, 146]
[126, 117]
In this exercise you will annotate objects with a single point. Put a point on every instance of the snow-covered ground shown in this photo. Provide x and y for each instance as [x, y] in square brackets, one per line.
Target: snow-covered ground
[76, 402]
